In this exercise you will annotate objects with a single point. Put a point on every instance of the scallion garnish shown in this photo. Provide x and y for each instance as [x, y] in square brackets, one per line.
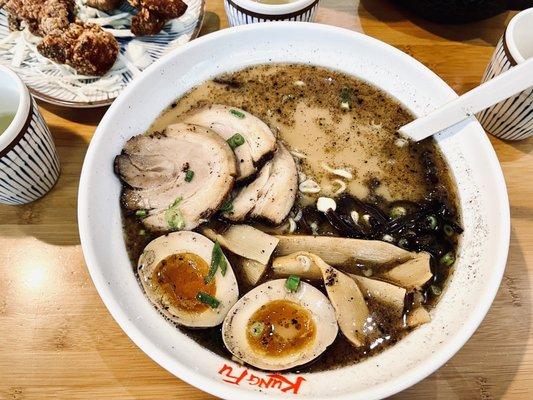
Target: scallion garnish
[227, 207]
[292, 283]
[257, 328]
[397, 212]
[207, 299]
[217, 260]
[189, 175]
[236, 141]
[223, 265]
[431, 221]
[403, 243]
[142, 232]
[237, 113]
[141, 213]
[174, 217]
[447, 259]
[448, 230]
[345, 95]
[435, 290]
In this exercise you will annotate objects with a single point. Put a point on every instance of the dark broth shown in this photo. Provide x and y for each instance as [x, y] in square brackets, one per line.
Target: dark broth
[309, 119]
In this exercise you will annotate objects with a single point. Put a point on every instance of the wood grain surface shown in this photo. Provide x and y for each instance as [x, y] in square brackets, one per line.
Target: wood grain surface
[57, 340]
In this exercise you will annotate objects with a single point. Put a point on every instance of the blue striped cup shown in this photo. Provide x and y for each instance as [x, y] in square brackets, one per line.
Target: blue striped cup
[511, 119]
[242, 12]
[29, 165]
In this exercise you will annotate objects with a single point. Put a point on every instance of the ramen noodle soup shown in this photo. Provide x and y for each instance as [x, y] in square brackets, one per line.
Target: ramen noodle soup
[275, 216]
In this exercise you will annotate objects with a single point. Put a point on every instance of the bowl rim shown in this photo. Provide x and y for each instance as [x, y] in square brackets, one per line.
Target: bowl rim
[509, 35]
[397, 384]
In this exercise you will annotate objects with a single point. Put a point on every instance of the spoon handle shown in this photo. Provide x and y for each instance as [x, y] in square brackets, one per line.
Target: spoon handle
[503, 86]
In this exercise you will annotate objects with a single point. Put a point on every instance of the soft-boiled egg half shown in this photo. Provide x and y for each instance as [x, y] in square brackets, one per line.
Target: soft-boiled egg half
[188, 278]
[278, 326]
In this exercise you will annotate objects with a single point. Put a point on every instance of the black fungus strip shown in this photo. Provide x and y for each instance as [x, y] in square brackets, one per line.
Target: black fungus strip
[346, 229]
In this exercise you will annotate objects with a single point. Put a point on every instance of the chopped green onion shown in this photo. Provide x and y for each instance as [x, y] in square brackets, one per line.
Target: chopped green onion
[217, 260]
[189, 175]
[397, 212]
[403, 243]
[432, 222]
[237, 113]
[223, 264]
[142, 232]
[435, 290]
[447, 259]
[345, 95]
[236, 141]
[141, 213]
[345, 98]
[448, 230]
[257, 328]
[292, 283]
[227, 207]
[207, 299]
[176, 202]
[174, 217]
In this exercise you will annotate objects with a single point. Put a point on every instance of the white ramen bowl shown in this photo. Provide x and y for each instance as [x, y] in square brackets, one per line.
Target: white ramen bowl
[483, 199]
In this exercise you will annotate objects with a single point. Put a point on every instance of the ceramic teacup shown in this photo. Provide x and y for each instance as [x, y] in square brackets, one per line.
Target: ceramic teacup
[241, 12]
[511, 119]
[29, 165]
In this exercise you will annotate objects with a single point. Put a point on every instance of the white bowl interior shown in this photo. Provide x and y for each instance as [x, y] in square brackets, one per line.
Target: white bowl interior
[472, 160]
[520, 35]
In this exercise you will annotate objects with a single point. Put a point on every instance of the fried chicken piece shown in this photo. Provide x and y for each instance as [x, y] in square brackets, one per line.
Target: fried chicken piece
[168, 9]
[85, 47]
[13, 22]
[42, 17]
[145, 23]
[153, 14]
[104, 5]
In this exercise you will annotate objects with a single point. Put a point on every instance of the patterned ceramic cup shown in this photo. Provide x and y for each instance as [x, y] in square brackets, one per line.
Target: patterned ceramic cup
[241, 12]
[511, 119]
[29, 165]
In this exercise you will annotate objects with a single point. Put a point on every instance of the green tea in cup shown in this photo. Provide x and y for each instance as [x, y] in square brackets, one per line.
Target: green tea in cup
[5, 120]
[9, 103]
[274, 1]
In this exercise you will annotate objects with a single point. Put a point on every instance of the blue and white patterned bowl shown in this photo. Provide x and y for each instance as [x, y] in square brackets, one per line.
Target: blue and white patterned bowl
[241, 12]
[60, 85]
[29, 165]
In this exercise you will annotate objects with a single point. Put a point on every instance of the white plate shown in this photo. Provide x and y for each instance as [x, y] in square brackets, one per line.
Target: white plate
[86, 94]
[472, 160]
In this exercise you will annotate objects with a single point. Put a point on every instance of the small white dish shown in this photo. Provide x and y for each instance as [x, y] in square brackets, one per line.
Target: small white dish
[471, 158]
[241, 12]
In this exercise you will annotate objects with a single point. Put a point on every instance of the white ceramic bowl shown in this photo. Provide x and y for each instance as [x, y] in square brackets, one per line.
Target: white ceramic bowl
[482, 191]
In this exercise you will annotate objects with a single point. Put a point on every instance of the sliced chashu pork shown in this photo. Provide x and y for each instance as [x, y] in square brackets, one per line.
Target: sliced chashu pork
[155, 167]
[273, 192]
[259, 141]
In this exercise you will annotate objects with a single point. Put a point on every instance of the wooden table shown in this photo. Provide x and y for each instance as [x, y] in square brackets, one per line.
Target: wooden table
[57, 340]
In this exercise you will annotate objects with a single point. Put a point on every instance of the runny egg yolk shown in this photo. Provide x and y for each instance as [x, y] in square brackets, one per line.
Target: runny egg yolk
[178, 278]
[280, 328]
